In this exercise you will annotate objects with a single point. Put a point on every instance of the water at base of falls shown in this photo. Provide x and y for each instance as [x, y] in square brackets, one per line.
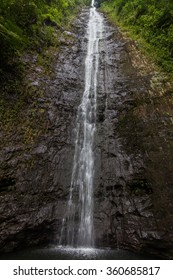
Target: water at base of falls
[79, 217]
[67, 253]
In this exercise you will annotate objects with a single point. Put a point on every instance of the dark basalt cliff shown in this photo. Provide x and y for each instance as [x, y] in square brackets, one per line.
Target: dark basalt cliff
[133, 189]
[35, 177]
[133, 180]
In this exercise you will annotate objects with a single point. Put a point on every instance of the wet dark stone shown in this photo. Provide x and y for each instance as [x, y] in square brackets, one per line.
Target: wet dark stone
[127, 213]
[6, 182]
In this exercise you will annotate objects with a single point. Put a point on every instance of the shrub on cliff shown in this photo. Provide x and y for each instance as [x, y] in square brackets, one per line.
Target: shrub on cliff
[30, 25]
[151, 20]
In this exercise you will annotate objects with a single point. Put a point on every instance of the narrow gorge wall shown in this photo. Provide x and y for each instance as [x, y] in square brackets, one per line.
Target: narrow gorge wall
[132, 205]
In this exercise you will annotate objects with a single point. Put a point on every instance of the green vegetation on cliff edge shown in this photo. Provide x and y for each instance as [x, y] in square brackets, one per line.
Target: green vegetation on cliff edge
[31, 28]
[30, 25]
[149, 21]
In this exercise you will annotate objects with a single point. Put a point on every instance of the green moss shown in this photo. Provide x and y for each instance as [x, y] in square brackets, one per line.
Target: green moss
[34, 27]
[31, 25]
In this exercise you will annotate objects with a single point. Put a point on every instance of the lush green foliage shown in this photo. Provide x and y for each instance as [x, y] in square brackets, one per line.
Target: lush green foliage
[151, 20]
[32, 24]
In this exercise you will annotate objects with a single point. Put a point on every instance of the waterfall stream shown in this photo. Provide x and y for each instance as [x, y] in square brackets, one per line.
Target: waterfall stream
[79, 216]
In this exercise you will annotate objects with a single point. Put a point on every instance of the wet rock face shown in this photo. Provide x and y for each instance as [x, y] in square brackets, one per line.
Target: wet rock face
[35, 178]
[126, 212]
[121, 206]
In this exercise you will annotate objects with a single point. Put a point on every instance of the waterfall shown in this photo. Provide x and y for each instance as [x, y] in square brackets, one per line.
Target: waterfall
[79, 216]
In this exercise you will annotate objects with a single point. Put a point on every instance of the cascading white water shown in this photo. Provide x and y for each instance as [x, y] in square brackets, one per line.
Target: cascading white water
[79, 217]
